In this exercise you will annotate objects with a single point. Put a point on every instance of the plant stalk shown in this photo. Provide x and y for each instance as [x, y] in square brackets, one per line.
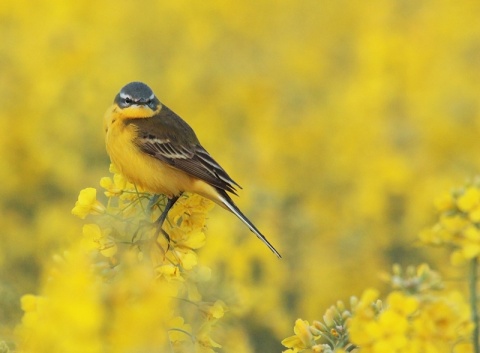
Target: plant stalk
[473, 303]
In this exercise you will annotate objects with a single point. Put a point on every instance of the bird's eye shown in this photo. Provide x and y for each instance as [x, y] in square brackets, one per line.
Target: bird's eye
[128, 100]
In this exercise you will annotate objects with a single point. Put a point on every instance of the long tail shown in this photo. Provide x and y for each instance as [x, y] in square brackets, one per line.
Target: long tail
[230, 205]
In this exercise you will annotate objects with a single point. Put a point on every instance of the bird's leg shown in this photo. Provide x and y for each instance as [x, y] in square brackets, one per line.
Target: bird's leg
[152, 203]
[171, 201]
[149, 210]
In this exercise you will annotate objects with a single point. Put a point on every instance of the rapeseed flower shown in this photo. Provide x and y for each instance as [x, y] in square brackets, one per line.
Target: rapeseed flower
[458, 223]
[87, 203]
[127, 272]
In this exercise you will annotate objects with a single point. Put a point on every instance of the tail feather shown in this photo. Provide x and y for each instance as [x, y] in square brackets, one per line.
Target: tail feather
[230, 205]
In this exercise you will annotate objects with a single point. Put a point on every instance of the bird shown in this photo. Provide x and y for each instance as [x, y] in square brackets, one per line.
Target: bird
[158, 151]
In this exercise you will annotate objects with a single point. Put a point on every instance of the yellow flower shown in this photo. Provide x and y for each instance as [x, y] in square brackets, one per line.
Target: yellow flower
[87, 203]
[364, 306]
[188, 258]
[443, 320]
[183, 243]
[457, 258]
[303, 337]
[444, 202]
[203, 338]
[113, 187]
[190, 212]
[386, 331]
[402, 304]
[112, 168]
[168, 272]
[91, 236]
[62, 320]
[393, 326]
[215, 310]
[472, 233]
[32, 306]
[194, 240]
[179, 330]
[474, 214]
[470, 245]
[469, 200]
[29, 302]
[96, 239]
[437, 235]
[453, 223]
[329, 316]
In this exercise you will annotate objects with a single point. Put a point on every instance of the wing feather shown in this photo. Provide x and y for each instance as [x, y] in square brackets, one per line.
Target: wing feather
[168, 138]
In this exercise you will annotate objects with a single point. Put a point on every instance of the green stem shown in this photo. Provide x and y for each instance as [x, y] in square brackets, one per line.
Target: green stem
[473, 303]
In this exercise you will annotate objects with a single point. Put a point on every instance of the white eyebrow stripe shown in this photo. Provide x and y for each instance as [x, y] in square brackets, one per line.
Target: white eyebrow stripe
[152, 96]
[124, 95]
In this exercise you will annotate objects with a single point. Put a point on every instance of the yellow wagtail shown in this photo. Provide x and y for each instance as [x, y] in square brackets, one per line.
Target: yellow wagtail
[157, 150]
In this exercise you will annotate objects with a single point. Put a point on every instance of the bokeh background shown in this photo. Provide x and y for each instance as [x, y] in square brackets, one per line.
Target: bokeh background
[342, 120]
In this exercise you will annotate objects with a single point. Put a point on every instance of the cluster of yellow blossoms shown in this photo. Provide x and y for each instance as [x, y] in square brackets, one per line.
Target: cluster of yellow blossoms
[328, 336]
[416, 317]
[459, 223]
[124, 287]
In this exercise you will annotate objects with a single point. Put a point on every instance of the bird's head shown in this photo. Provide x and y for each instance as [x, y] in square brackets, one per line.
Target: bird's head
[137, 100]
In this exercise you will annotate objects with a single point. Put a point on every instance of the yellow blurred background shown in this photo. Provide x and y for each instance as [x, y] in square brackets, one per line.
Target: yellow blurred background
[342, 120]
